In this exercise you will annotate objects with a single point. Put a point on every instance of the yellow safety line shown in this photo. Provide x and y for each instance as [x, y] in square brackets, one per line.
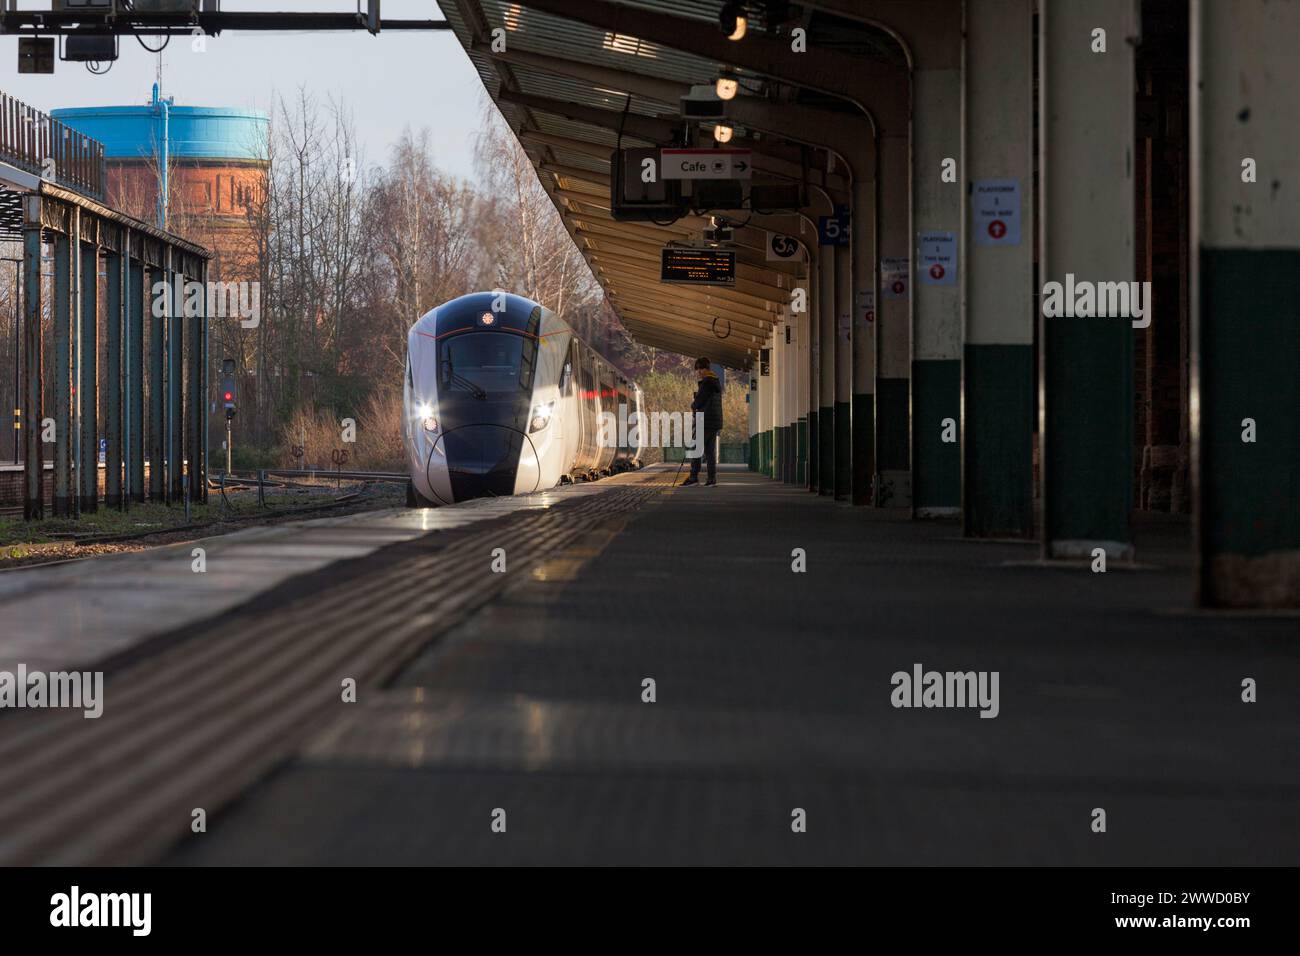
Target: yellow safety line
[566, 566]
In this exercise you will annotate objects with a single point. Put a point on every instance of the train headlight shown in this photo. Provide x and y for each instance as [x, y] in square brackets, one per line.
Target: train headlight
[424, 415]
[541, 416]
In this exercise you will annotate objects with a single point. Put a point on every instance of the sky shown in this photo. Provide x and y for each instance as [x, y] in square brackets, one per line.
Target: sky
[389, 82]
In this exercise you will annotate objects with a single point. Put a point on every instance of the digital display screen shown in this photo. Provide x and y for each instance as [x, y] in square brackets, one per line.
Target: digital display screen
[683, 265]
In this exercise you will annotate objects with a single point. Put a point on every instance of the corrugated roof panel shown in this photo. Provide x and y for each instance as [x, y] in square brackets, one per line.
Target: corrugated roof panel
[531, 30]
[580, 161]
[559, 126]
[575, 91]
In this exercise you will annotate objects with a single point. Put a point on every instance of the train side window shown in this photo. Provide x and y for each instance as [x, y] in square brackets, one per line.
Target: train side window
[529, 352]
[587, 377]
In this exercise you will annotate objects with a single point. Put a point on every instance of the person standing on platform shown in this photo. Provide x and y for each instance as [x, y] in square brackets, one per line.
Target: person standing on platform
[708, 400]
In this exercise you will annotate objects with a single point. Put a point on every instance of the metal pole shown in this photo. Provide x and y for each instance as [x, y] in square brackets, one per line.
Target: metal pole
[159, 305]
[64, 256]
[15, 428]
[87, 380]
[135, 318]
[202, 392]
[33, 408]
[196, 404]
[175, 385]
[113, 327]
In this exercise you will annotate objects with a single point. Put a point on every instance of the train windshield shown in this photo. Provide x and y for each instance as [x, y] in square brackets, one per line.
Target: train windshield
[483, 362]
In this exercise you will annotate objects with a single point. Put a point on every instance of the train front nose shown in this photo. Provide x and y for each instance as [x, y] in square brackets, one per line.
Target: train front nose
[486, 460]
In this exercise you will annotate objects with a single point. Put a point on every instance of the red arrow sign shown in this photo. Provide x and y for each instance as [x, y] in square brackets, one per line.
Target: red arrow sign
[997, 229]
[936, 271]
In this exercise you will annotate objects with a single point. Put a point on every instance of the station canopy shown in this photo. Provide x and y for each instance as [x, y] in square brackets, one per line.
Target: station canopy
[573, 88]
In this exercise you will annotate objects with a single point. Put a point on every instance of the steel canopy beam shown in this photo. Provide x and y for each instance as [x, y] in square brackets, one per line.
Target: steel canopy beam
[649, 314]
[648, 128]
[751, 315]
[143, 23]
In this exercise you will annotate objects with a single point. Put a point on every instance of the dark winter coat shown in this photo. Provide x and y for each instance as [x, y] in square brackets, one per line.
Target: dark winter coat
[708, 399]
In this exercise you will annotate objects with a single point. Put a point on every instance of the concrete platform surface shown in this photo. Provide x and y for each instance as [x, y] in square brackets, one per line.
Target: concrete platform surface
[774, 702]
[82, 613]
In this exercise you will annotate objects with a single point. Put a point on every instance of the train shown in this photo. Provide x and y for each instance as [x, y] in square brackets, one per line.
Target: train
[502, 397]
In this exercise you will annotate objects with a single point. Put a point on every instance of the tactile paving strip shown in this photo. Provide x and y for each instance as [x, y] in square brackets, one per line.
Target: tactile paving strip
[197, 723]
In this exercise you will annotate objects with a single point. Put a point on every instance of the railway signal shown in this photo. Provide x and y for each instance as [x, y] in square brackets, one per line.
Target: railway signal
[228, 386]
[228, 400]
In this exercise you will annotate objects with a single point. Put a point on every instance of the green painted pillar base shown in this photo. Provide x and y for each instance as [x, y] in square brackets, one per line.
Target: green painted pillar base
[792, 453]
[864, 447]
[801, 452]
[814, 450]
[893, 485]
[826, 457]
[1088, 440]
[843, 450]
[998, 441]
[936, 464]
[1249, 489]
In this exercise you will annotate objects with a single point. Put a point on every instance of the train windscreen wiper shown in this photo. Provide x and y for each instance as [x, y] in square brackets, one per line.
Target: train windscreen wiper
[472, 387]
[477, 390]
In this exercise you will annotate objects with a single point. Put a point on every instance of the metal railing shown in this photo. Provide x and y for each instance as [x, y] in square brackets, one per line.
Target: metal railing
[39, 144]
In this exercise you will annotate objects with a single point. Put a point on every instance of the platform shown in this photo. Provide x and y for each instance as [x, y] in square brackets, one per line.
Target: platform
[83, 613]
[523, 691]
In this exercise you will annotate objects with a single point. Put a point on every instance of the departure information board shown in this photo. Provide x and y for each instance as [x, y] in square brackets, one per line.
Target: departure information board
[683, 265]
